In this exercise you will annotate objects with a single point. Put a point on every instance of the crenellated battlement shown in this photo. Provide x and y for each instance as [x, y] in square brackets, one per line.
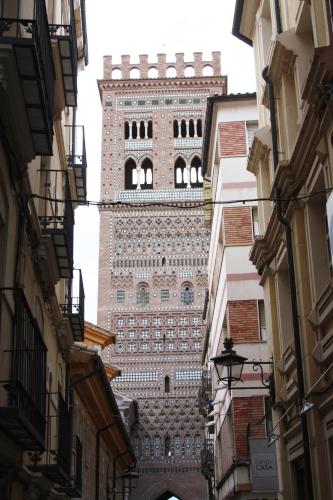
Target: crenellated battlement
[162, 69]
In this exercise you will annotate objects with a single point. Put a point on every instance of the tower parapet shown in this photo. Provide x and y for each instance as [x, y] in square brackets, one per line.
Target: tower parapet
[161, 68]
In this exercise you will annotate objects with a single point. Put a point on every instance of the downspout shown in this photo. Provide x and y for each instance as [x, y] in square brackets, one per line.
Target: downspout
[277, 16]
[293, 291]
[98, 439]
[114, 472]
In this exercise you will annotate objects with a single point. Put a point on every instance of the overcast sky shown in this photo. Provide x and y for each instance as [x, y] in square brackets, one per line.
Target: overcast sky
[145, 27]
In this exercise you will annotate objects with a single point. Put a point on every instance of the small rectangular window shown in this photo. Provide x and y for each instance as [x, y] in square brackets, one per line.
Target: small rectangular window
[255, 221]
[164, 295]
[262, 320]
[141, 103]
[196, 101]
[168, 101]
[128, 103]
[182, 101]
[108, 103]
[155, 102]
[251, 129]
[120, 296]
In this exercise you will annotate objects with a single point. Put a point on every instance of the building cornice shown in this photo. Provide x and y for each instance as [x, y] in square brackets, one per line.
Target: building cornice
[133, 85]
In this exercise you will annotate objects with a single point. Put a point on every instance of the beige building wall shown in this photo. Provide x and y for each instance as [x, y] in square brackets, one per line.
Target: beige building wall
[294, 43]
[39, 190]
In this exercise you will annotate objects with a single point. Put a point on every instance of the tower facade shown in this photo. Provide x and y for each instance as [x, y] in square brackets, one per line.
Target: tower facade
[153, 257]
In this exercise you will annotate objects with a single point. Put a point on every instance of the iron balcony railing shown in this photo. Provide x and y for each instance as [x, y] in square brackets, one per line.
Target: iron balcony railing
[67, 44]
[55, 464]
[207, 458]
[74, 488]
[24, 26]
[77, 159]
[73, 309]
[23, 415]
[205, 391]
[56, 217]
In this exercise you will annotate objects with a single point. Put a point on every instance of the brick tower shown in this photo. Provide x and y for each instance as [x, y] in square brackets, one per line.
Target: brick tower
[153, 257]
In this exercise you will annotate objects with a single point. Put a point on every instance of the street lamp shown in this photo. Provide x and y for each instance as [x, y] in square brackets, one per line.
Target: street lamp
[130, 480]
[228, 365]
[229, 368]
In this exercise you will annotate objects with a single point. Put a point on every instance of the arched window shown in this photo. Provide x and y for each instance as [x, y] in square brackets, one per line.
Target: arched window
[167, 384]
[142, 129]
[134, 130]
[180, 173]
[130, 174]
[150, 129]
[187, 445]
[142, 295]
[171, 72]
[197, 445]
[191, 128]
[167, 447]
[183, 128]
[146, 174]
[175, 128]
[196, 175]
[146, 446]
[137, 447]
[199, 128]
[187, 294]
[127, 130]
[189, 71]
[157, 446]
[135, 73]
[178, 446]
[153, 72]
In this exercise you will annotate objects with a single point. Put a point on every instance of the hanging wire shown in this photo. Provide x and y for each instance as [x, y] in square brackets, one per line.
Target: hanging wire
[183, 204]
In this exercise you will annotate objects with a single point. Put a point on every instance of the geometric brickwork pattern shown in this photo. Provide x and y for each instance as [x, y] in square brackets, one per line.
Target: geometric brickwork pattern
[153, 264]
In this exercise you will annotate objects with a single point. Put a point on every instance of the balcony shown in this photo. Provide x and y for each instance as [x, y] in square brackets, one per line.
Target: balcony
[74, 488]
[207, 458]
[55, 464]
[77, 159]
[56, 218]
[28, 70]
[205, 391]
[74, 307]
[65, 38]
[23, 417]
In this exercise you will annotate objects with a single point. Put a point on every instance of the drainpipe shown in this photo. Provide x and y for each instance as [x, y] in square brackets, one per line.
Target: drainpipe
[277, 16]
[98, 439]
[114, 472]
[293, 291]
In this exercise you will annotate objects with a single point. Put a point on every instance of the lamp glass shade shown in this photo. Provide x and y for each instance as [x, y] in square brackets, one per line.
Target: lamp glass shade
[229, 366]
[130, 479]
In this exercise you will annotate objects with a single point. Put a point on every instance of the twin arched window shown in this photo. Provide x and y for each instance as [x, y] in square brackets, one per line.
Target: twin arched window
[190, 175]
[136, 177]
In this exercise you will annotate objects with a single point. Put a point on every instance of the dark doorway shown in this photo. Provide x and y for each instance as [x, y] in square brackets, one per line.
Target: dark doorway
[168, 496]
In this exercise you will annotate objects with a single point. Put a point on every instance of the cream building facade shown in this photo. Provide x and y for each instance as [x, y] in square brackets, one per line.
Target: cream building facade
[239, 420]
[292, 158]
[42, 180]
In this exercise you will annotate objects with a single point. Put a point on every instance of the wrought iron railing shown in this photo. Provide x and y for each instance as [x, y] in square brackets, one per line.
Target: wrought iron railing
[24, 415]
[24, 24]
[76, 158]
[66, 36]
[56, 217]
[64, 449]
[207, 458]
[73, 309]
